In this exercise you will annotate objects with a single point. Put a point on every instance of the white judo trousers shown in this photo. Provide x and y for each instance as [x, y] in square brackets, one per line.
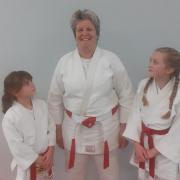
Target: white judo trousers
[80, 168]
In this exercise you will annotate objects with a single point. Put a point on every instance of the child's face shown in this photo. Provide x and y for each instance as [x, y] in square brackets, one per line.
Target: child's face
[158, 68]
[27, 90]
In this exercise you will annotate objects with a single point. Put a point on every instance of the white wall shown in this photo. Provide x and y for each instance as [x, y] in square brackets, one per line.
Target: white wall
[34, 34]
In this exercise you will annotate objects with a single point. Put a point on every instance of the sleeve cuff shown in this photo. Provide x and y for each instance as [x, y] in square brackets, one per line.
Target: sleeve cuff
[162, 148]
[123, 114]
[27, 163]
[131, 136]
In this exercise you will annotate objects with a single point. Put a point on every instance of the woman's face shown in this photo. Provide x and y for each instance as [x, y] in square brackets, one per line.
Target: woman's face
[85, 34]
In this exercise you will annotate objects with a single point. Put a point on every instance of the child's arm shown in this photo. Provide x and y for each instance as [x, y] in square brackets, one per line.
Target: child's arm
[133, 126]
[23, 154]
[132, 130]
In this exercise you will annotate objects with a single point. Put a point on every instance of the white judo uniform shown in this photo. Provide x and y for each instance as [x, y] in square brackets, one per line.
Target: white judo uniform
[28, 133]
[166, 164]
[90, 91]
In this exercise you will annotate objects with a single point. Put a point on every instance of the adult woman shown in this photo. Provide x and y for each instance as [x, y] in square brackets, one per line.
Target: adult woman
[89, 98]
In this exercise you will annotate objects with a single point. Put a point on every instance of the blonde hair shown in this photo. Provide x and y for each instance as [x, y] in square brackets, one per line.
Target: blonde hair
[172, 60]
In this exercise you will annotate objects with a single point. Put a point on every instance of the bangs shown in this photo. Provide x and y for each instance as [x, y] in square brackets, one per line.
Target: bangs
[25, 77]
[15, 80]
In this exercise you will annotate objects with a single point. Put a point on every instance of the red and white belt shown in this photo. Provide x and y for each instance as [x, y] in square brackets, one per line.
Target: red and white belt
[149, 133]
[89, 122]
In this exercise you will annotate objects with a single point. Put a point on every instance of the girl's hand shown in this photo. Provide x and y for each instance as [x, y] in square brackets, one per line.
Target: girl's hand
[151, 153]
[48, 158]
[40, 161]
[140, 153]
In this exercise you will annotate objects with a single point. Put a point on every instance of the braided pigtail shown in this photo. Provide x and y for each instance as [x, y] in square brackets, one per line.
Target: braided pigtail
[171, 99]
[172, 60]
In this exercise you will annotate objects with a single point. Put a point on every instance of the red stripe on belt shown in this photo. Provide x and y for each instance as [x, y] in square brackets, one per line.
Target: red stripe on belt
[149, 133]
[88, 122]
[33, 172]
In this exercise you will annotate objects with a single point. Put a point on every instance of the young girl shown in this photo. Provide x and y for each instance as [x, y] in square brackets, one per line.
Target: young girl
[154, 124]
[29, 133]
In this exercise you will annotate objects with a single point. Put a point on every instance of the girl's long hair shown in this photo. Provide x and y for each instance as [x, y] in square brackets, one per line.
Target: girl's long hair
[13, 84]
[173, 61]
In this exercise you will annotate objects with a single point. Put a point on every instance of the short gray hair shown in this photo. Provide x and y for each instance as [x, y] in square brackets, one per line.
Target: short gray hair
[80, 15]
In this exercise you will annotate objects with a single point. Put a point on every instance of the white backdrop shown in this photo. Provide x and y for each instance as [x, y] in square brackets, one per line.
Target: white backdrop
[34, 34]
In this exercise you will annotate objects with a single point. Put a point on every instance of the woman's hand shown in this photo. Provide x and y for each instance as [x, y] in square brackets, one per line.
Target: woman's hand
[151, 153]
[140, 153]
[59, 137]
[123, 142]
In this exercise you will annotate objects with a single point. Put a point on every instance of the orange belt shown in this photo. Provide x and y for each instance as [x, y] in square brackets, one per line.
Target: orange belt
[150, 132]
[33, 170]
[88, 122]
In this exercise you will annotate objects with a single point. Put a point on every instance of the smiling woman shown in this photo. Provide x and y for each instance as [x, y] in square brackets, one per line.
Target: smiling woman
[86, 38]
[86, 27]
[89, 99]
